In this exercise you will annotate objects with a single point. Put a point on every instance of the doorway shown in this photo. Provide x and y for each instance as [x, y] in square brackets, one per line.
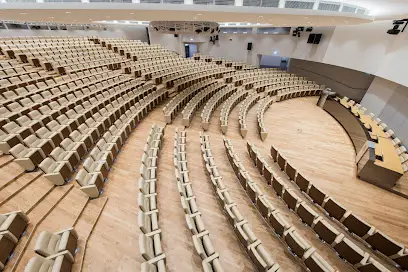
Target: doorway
[190, 49]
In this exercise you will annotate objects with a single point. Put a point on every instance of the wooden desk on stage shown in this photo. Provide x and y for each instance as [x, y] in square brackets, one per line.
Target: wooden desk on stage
[376, 158]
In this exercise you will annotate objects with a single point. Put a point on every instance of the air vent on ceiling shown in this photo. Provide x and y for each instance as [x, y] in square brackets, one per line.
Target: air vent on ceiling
[203, 2]
[108, 1]
[173, 1]
[270, 3]
[299, 4]
[21, 1]
[361, 11]
[274, 30]
[349, 9]
[150, 1]
[329, 6]
[236, 30]
[224, 2]
[252, 3]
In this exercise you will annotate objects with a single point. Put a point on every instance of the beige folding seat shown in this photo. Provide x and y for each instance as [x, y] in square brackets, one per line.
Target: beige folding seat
[71, 123]
[233, 214]
[384, 244]
[49, 243]
[73, 115]
[45, 146]
[21, 132]
[302, 183]
[78, 137]
[8, 141]
[278, 186]
[59, 262]
[261, 258]
[298, 244]
[10, 95]
[150, 245]
[401, 150]
[147, 203]
[274, 153]
[148, 173]
[123, 126]
[148, 221]
[109, 138]
[39, 100]
[104, 146]
[56, 172]
[45, 133]
[36, 115]
[68, 145]
[245, 233]
[71, 157]
[356, 225]
[212, 263]
[13, 222]
[195, 223]
[27, 158]
[91, 183]
[334, 209]
[325, 231]
[396, 142]
[389, 133]
[253, 191]
[350, 251]
[291, 199]
[7, 245]
[16, 107]
[98, 117]
[92, 166]
[28, 103]
[7, 114]
[92, 132]
[315, 263]
[372, 265]
[102, 155]
[48, 111]
[79, 109]
[278, 222]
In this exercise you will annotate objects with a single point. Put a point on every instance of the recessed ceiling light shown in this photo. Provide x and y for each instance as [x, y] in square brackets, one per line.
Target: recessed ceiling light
[23, 13]
[90, 19]
[260, 16]
[199, 14]
[52, 17]
[257, 23]
[191, 39]
[131, 13]
[67, 12]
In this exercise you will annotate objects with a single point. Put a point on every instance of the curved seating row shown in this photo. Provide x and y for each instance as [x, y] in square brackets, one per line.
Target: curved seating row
[265, 104]
[298, 245]
[186, 81]
[249, 101]
[199, 99]
[258, 82]
[71, 123]
[309, 90]
[195, 223]
[12, 227]
[364, 232]
[176, 77]
[213, 103]
[55, 251]
[275, 88]
[341, 244]
[228, 105]
[252, 245]
[148, 217]
[102, 156]
[232, 77]
[182, 98]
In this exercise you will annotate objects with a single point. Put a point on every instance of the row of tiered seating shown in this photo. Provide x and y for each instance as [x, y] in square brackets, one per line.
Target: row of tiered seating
[389, 133]
[228, 105]
[360, 230]
[181, 99]
[299, 246]
[249, 101]
[199, 99]
[213, 103]
[220, 61]
[55, 251]
[274, 88]
[260, 83]
[12, 227]
[253, 246]
[195, 223]
[187, 80]
[263, 106]
[148, 217]
[237, 76]
[293, 92]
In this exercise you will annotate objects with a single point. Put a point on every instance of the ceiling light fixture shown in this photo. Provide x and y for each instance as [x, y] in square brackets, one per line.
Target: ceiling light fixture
[67, 12]
[191, 39]
[23, 13]
[131, 13]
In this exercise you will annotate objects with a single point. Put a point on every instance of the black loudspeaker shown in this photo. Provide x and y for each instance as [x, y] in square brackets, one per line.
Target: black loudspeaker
[317, 38]
[249, 46]
[175, 35]
[311, 38]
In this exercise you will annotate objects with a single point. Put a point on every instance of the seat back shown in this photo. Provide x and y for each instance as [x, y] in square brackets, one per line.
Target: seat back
[325, 231]
[384, 244]
[334, 209]
[317, 195]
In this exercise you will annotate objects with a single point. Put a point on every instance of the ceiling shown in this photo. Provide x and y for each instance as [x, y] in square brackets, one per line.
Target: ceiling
[75, 13]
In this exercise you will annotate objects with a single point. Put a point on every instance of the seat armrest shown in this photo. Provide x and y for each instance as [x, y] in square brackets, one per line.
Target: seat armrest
[64, 253]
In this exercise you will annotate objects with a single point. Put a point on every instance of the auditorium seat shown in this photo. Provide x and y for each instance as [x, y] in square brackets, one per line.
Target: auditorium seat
[297, 244]
[49, 243]
[212, 264]
[315, 263]
[306, 213]
[71, 157]
[91, 183]
[155, 265]
[64, 130]
[150, 245]
[27, 158]
[268, 175]
[233, 214]
[278, 186]
[264, 206]
[302, 182]
[59, 262]
[356, 225]
[349, 251]
[14, 222]
[325, 231]
[245, 233]
[68, 145]
[33, 125]
[278, 222]
[21, 132]
[45, 133]
[291, 199]
[92, 166]
[7, 141]
[281, 162]
[148, 221]
[56, 172]
[334, 209]
[203, 245]
[384, 244]
[372, 266]
[316, 195]
[45, 146]
[147, 203]
[261, 258]
[290, 171]
[7, 244]
[253, 191]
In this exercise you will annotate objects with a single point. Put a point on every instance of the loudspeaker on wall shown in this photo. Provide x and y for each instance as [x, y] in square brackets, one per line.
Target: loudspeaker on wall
[249, 46]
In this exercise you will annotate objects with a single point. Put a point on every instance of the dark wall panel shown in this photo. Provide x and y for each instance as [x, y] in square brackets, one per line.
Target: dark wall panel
[345, 82]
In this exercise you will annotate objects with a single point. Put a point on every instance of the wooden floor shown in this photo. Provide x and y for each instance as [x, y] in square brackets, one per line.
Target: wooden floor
[311, 139]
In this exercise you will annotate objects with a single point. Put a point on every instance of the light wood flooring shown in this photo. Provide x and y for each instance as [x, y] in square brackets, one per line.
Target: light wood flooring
[311, 139]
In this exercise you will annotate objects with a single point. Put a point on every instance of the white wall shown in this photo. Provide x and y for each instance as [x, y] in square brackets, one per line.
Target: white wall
[388, 101]
[271, 61]
[128, 32]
